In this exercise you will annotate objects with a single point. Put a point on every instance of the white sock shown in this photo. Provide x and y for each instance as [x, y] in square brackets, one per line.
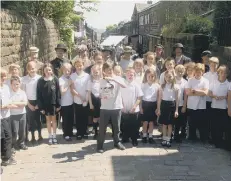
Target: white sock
[54, 135]
[50, 135]
[150, 135]
[144, 135]
[168, 138]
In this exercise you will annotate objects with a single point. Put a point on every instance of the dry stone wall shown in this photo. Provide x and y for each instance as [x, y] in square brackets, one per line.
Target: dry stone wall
[19, 32]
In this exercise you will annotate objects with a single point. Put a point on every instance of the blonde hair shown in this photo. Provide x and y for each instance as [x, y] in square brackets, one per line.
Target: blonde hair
[15, 78]
[66, 65]
[180, 67]
[150, 71]
[169, 59]
[214, 60]
[223, 68]
[149, 53]
[174, 79]
[3, 71]
[130, 69]
[79, 61]
[189, 65]
[95, 67]
[118, 67]
[29, 64]
[199, 67]
[12, 66]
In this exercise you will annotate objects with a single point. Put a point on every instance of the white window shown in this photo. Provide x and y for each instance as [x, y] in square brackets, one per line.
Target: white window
[148, 19]
[141, 20]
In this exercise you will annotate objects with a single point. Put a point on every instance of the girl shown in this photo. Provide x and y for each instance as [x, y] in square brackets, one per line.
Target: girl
[169, 65]
[93, 88]
[139, 70]
[79, 91]
[151, 91]
[67, 112]
[111, 105]
[84, 56]
[167, 106]
[18, 113]
[218, 91]
[131, 96]
[181, 121]
[189, 67]
[151, 62]
[98, 59]
[197, 90]
[14, 70]
[48, 97]
[118, 71]
[33, 114]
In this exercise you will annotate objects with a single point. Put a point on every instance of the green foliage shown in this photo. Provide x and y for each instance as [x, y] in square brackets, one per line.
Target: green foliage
[170, 30]
[111, 27]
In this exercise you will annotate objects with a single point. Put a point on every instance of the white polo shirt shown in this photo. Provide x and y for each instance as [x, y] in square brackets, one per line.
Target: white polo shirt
[130, 95]
[94, 87]
[30, 86]
[5, 100]
[110, 93]
[211, 77]
[139, 78]
[182, 84]
[169, 92]
[150, 92]
[219, 89]
[197, 102]
[66, 98]
[80, 85]
[146, 67]
[19, 96]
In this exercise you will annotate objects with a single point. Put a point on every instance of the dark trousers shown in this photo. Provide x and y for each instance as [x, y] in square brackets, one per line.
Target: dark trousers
[130, 126]
[81, 119]
[67, 114]
[197, 120]
[180, 124]
[218, 123]
[6, 139]
[105, 116]
[209, 117]
[18, 129]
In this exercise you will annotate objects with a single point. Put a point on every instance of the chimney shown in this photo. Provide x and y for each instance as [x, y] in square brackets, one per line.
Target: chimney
[149, 2]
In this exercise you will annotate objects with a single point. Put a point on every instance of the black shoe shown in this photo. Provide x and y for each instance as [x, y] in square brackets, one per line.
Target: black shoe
[33, 141]
[120, 146]
[164, 143]
[79, 137]
[11, 161]
[144, 140]
[151, 140]
[168, 144]
[23, 147]
[134, 142]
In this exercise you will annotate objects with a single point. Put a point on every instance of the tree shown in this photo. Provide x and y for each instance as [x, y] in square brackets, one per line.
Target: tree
[111, 27]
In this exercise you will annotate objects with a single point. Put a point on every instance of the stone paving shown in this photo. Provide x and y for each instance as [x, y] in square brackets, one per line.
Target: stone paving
[78, 161]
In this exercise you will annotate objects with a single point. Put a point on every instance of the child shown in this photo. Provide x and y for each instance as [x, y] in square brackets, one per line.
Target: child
[181, 120]
[18, 113]
[98, 59]
[139, 70]
[189, 70]
[6, 133]
[33, 114]
[67, 111]
[167, 106]
[93, 89]
[218, 91]
[169, 65]
[197, 90]
[111, 105]
[205, 59]
[150, 62]
[118, 71]
[79, 91]
[14, 70]
[48, 97]
[151, 91]
[131, 96]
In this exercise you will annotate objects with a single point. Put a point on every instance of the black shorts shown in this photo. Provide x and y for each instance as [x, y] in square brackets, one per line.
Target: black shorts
[149, 109]
[167, 110]
[50, 110]
[97, 104]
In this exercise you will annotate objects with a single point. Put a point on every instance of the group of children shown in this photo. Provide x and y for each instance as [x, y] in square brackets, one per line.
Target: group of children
[181, 98]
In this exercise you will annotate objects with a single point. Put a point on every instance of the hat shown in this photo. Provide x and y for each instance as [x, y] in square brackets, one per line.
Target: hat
[206, 53]
[127, 49]
[34, 49]
[106, 48]
[159, 46]
[178, 45]
[214, 60]
[61, 46]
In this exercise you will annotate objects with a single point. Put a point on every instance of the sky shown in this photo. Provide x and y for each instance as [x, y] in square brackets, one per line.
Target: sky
[111, 12]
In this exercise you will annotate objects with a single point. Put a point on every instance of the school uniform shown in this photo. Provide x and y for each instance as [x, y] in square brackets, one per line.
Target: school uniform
[149, 101]
[48, 95]
[67, 110]
[196, 106]
[129, 121]
[18, 119]
[81, 111]
[181, 120]
[139, 78]
[146, 67]
[33, 117]
[111, 105]
[6, 132]
[168, 104]
[219, 111]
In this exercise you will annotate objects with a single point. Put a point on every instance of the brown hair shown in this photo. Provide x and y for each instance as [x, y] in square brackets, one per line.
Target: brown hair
[169, 59]
[45, 66]
[29, 64]
[79, 61]
[95, 67]
[149, 53]
[3, 71]
[97, 53]
[107, 66]
[224, 68]
[174, 79]
[15, 78]
[200, 67]
[148, 71]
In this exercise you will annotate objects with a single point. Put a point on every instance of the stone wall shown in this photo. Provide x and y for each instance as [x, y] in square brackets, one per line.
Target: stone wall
[19, 32]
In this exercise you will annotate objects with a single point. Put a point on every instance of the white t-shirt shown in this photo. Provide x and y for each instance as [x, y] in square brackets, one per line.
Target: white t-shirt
[139, 78]
[30, 86]
[66, 98]
[94, 87]
[211, 77]
[5, 100]
[169, 93]
[80, 85]
[146, 67]
[219, 89]
[125, 64]
[110, 93]
[182, 84]
[130, 95]
[197, 102]
[150, 92]
[19, 96]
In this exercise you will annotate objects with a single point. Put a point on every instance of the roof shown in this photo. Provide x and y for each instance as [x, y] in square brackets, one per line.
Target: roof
[141, 6]
[112, 40]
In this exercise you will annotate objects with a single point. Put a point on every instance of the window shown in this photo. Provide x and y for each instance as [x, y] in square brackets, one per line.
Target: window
[148, 19]
[141, 20]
